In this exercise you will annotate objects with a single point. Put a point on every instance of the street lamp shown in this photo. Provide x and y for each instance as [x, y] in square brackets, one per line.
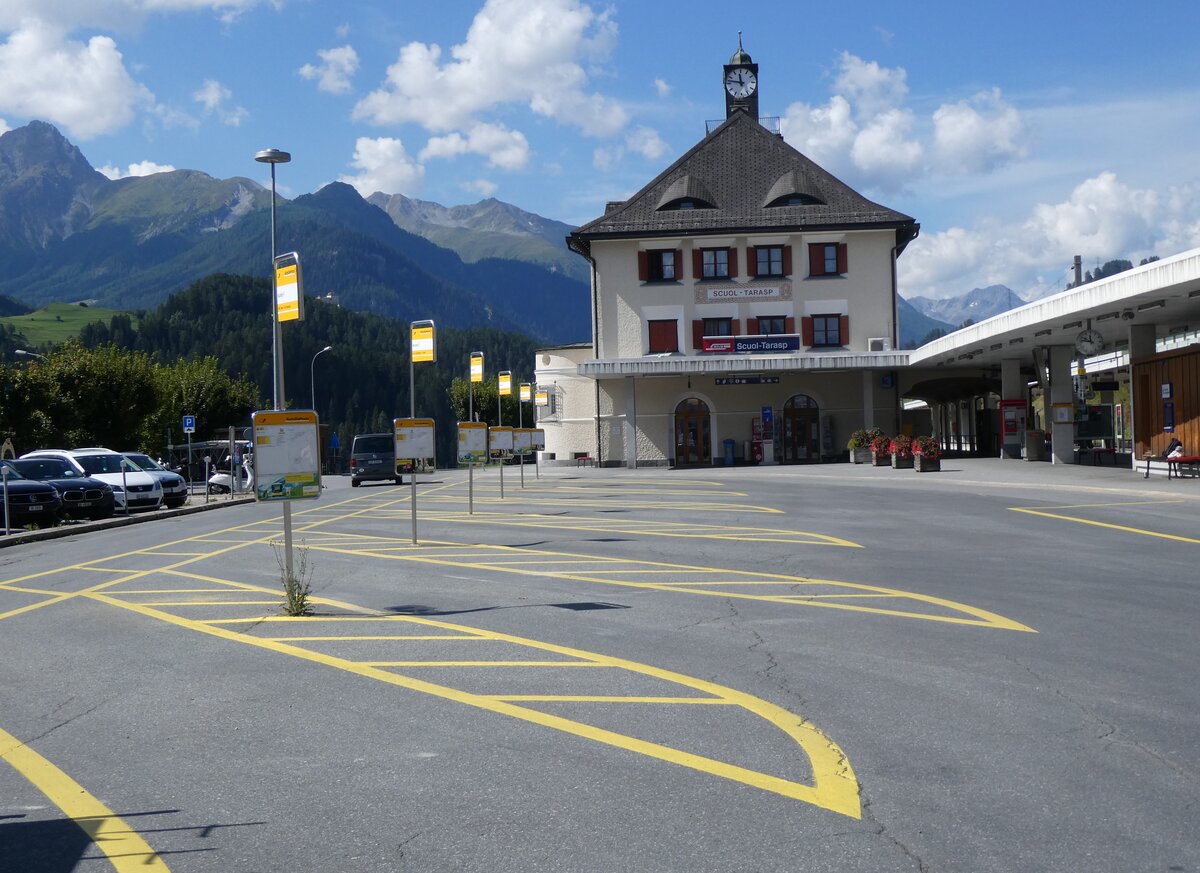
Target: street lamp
[273, 157]
[27, 354]
[312, 375]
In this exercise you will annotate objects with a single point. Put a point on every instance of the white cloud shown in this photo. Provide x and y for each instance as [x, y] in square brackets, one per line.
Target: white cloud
[605, 157]
[215, 97]
[333, 74]
[141, 168]
[82, 87]
[646, 142]
[482, 187]
[978, 135]
[504, 148]
[113, 14]
[384, 165]
[663, 89]
[1102, 219]
[4, 128]
[516, 52]
[867, 135]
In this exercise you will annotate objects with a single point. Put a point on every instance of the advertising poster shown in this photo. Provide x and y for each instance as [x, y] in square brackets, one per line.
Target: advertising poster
[500, 442]
[472, 442]
[414, 445]
[287, 457]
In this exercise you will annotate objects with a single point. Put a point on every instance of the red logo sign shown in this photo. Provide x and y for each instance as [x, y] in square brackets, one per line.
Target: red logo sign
[724, 344]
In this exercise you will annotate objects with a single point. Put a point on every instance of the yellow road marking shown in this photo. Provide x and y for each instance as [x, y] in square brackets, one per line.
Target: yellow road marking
[481, 664]
[127, 851]
[1107, 526]
[834, 787]
[325, 639]
[596, 698]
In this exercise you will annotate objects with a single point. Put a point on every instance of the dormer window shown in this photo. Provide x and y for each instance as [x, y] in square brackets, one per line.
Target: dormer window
[684, 204]
[796, 200]
[686, 192]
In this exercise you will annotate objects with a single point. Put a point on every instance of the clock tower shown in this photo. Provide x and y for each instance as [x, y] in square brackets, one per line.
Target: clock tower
[741, 83]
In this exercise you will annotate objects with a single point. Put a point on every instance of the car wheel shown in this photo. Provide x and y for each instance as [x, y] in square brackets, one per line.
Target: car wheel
[354, 483]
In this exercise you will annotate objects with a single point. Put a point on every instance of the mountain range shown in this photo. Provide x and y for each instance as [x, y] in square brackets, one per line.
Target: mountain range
[69, 233]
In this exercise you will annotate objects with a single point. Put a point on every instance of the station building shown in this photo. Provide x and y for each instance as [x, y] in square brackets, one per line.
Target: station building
[744, 308]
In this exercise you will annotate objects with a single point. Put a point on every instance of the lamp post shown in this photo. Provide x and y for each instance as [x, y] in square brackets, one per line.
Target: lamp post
[273, 157]
[312, 375]
[27, 354]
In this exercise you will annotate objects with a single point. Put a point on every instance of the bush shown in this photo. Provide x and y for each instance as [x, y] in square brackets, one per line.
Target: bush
[902, 446]
[881, 444]
[926, 447]
[863, 438]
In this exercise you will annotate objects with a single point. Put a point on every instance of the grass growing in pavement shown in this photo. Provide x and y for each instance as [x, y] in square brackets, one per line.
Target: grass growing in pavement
[297, 585]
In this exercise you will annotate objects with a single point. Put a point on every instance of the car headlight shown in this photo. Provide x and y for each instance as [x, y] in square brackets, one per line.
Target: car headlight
[118, 488]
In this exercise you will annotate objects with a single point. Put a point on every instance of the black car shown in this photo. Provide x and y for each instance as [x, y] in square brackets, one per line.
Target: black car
[29, 503]
[82, 496]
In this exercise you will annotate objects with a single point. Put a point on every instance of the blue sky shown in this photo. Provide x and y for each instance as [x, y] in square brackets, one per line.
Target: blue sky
[1018, 134]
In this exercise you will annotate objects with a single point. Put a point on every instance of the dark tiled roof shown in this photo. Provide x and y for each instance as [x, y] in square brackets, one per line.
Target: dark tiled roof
[741, 167]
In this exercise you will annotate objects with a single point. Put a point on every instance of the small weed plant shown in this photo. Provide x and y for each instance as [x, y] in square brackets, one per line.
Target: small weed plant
[297, 585]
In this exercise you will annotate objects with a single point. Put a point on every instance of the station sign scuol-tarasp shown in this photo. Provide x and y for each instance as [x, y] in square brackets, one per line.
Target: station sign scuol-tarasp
[749, 345]
[287, 456]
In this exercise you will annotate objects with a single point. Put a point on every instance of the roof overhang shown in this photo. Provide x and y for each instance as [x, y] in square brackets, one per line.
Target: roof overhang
[677, 365]
[1165, 294]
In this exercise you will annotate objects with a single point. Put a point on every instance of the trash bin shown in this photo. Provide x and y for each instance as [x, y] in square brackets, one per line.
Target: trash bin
[1035, 445]
[729, 444]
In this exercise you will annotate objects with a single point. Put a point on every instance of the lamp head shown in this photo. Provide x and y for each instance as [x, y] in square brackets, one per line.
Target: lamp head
[272, 156]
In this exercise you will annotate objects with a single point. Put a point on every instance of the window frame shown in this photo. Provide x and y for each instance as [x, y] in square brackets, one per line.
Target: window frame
[821, 256]
[770, 252]
[821, 330]
[779, 320]
[715, 321]
[711, 266]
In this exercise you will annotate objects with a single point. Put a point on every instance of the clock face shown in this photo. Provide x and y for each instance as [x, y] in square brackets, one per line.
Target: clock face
[740, 83]
[1089, 342]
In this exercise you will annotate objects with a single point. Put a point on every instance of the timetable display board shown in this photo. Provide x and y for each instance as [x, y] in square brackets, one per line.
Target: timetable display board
[287, 456]
[414, 445]
[500, 442]
[472, 442]
[523, 441]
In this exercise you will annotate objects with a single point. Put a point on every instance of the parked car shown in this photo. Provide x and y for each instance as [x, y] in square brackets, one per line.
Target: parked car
[82, 496]
[373, 458]
[130, 485]
[175, 489]
[28, 502]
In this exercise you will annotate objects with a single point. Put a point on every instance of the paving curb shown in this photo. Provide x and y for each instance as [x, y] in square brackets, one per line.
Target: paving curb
[53, 533]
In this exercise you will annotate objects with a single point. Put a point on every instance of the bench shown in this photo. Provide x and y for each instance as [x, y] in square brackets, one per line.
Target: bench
[1175, 466]
[585, 461]
[1097, 454]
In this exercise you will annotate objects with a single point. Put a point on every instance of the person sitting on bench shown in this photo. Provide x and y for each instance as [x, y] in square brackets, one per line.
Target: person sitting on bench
[1174, 449]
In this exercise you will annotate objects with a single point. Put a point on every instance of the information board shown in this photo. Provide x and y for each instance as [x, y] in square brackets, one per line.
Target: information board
[289, 288]
[287, 455]
[505, 382]
[541, 397]
[424, 347]
[472, 442]
[476, 366]
[523, 441]
[500, 442]
[414, 445]
[539, 440]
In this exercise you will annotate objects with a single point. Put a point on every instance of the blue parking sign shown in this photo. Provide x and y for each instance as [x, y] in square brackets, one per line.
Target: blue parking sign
[189, 424]
[767, 416]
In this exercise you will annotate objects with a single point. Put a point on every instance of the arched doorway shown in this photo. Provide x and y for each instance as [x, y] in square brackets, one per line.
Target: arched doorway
[693, 433]
[801, 430]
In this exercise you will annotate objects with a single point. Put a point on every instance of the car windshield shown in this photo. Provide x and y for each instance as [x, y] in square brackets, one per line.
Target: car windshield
[99, 464]
[45, 468]
[145, 462]
[13, 475]
[364, 444]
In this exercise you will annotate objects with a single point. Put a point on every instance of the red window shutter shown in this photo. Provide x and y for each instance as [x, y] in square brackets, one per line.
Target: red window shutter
[697, 264]
[644, 266]
[787, 260]
[789, 325]
[735, 325]
[679, 266]
[751, 327]
[841, 259]
[816, 259]
[751, 262]
[806, 330]
[698, 334]
[844, 330]
[733, 270]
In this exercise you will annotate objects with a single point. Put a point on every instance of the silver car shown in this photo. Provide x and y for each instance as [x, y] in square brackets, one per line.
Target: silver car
[175, 489]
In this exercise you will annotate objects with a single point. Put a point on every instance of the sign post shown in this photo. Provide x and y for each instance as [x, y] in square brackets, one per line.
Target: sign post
[414, 447]
[424, 350]
[500, 443]
[189, 428]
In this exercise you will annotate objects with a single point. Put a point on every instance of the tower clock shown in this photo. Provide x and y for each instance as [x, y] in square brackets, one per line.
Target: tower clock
[741, 83]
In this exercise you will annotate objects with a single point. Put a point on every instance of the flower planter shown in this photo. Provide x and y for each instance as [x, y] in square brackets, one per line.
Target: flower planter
[905, 463]
[881, 459]
[860, 456]
[923, 464]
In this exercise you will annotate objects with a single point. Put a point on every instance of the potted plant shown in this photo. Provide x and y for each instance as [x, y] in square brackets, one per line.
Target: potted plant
[902, 452]
[881, 450]
[860, 444]
[927, 454]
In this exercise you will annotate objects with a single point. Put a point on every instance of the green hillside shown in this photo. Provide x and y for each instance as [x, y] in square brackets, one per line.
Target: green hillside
[58, 322]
